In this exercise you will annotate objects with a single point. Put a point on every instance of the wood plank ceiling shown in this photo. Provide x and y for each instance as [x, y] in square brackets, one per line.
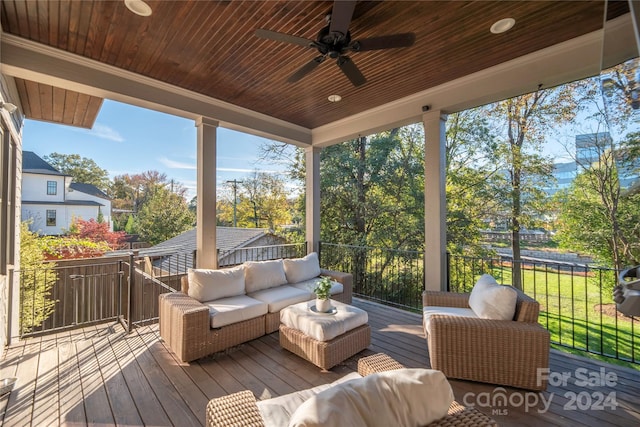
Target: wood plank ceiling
[209, 47]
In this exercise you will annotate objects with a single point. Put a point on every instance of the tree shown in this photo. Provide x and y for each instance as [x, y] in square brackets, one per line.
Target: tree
[98, 232]
[525, 122]
[82, 169]
[263, 202]
[472, 176]
[36, 281]
[163, 215]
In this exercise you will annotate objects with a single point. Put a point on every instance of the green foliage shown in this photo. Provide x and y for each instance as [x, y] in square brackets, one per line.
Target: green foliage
[82, 169]
[37, 279]
[100, 218]
[132, 226]
[163, 215]
[323, 288]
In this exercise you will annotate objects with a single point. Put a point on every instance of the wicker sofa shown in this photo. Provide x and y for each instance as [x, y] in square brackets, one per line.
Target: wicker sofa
[242, 409]
[188, 323]
[504, 352]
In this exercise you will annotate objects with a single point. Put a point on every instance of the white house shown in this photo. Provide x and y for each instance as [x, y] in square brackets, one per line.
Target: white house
[52, 201]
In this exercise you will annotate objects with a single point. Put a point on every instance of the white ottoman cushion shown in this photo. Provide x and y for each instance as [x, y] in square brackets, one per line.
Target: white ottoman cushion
[323, 327]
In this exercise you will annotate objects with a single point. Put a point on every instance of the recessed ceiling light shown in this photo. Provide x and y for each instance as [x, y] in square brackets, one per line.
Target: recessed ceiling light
[334, 98]
[503, 25]
[139, 7]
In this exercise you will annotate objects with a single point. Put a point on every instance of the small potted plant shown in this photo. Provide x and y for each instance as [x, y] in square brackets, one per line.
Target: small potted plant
[323, 293]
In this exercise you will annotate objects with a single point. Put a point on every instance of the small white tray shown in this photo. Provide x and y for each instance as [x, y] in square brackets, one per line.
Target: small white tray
[331, 312]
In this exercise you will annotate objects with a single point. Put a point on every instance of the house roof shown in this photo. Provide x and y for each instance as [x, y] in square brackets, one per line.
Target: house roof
[182, 246]
[32, 163]
[88, 189]
[66, 202]
[204, 59]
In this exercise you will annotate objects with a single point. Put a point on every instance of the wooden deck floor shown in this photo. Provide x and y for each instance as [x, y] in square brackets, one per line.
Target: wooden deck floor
[104, 376]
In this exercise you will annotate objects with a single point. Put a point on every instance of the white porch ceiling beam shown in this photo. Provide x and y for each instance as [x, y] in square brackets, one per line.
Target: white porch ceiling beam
[565, 62]
[33, 61]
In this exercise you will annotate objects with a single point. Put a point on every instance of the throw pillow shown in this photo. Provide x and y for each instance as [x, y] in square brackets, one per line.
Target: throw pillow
[260, 275]
[209, 285]
[404, 397]
[300, 269]
[489, 300]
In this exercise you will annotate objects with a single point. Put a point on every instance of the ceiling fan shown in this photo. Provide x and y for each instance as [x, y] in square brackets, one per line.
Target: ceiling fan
[334, 41]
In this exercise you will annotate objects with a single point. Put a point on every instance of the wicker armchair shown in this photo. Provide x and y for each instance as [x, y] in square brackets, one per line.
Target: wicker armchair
[504, 352]
[240, 409]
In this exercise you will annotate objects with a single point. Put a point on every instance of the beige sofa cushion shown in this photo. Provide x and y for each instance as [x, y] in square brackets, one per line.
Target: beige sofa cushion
[323, 327]
[429, 311]
[404, 397]
[208, 285]
[281, 296]
[301, 269]
[489, 300]
[309, 285]
[260, 275]
[226, 311]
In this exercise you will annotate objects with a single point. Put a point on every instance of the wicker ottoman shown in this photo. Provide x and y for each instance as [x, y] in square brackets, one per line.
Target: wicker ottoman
[324, 339]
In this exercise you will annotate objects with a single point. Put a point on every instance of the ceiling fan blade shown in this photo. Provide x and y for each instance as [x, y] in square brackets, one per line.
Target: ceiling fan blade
[350, 70]
[306, 69]
[384, 42]
[282, 37]
[341, 15]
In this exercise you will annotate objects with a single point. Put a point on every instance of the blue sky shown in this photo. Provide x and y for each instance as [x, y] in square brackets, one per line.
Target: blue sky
[128, 139]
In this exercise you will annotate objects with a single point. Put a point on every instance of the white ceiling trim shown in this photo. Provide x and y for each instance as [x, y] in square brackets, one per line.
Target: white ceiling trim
[34, 61]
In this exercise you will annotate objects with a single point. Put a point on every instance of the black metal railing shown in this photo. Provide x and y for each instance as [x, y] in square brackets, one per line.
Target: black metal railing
[261, 253]
[389, 276]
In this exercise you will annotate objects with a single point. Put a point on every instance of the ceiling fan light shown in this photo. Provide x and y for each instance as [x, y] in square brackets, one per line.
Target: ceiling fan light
[503, 25]
[139, 7]
[334, 98]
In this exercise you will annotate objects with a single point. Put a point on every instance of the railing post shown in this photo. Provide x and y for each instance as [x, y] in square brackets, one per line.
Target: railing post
[132, 278]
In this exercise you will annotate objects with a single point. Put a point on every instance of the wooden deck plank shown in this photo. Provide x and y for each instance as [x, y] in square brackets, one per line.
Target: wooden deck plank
[192, 396]
[143, 379]
[70, 393]
[44, 413]
[147, 404]
[8, 369]
[24, 389]
[96, 402]
[174, 406]
[122, 404]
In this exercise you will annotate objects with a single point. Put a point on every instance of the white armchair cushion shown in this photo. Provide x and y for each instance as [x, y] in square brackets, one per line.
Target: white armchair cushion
[404, 397]
[209, 285]
[489, 300]
[260, 275]
[301, 269]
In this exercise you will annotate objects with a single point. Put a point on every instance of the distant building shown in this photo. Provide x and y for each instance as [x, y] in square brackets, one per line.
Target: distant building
[52, 201]
[589, 148]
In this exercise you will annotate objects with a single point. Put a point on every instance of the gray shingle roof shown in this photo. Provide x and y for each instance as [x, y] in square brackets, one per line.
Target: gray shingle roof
[88, 189]
[182, 246]
[32, 163]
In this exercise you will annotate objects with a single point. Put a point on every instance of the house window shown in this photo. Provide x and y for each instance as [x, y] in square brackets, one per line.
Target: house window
[52, 188]
[51, 217]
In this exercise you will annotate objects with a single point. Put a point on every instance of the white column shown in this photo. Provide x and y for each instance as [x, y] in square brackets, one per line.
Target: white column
[312, 162]
[435, 213]
[206, 255]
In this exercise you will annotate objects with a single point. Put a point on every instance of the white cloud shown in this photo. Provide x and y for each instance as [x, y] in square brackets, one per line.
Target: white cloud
[245, 170]
[105, 132]
[176, 165]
